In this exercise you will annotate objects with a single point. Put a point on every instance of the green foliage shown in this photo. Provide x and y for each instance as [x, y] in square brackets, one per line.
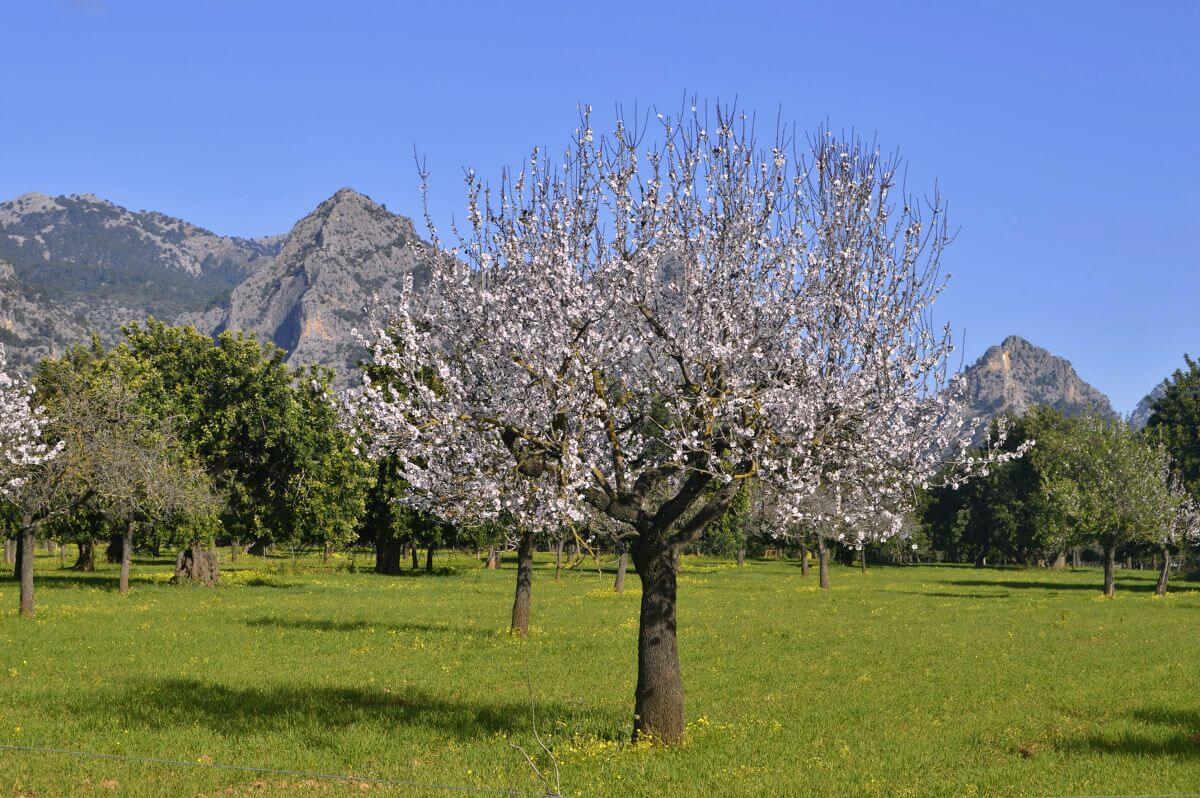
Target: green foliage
[1175, 423]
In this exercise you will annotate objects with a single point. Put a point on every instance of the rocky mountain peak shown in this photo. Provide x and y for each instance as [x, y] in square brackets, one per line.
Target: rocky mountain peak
[1016, 375]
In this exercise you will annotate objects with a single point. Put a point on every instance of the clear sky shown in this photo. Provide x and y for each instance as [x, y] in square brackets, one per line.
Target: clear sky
[1066, 135]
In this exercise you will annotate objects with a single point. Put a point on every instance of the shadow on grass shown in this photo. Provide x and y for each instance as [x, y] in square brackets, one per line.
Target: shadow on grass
[1134, 585]
[331, 625]
[253, 710]
[937, 594]
[1179, 735]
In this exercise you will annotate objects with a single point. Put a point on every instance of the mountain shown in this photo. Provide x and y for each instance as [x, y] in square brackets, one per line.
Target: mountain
[1017, 375]
[1141, 413]
[78, 263]
[74, 264]
[347, 256]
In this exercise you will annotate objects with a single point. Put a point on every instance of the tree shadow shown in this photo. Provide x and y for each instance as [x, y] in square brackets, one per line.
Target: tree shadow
[331, 625]
[1133, 585]
[946, 594]
[1181, 738]
[237, 711]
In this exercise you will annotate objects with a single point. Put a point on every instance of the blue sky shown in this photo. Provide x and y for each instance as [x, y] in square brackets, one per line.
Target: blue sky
[1065, 135]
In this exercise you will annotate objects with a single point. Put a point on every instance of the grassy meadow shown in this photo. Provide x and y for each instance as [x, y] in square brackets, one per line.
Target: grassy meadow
[906, 681]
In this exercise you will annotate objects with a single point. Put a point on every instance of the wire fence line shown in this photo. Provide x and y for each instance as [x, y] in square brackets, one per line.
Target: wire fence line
[150, 760]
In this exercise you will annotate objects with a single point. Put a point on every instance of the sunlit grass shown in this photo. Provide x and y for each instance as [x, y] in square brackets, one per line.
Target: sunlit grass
[905, 681]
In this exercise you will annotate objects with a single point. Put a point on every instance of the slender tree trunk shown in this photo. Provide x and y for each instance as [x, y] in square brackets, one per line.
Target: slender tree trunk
[493, 559]
[521, 601]
[62, 554]
[413, 551]
[741, 556]
[822, 562]
[622, 566]
[804, 559]
[325, 552]
[658, 701]
[25, 568]
[1164, 574]
[558, 548]
[10, 551]
[126, 559]
[234, 545]
[429, 560]
[1110, 565]
[862, 559]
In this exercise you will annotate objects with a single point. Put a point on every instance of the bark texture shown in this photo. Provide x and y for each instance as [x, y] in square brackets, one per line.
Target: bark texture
[804, 559]
[1164, 574]
[25, 571]
[523, 597]
[387, 556]
[86, 561]
[622, 567]
[658, 700]
[197, 566]
[1110, 565]
[822, 563]
[126, 559]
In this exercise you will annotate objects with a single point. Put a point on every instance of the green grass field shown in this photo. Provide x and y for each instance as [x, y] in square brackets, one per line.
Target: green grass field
[906, 681]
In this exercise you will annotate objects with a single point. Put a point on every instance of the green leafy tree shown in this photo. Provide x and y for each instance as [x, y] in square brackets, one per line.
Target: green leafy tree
[1175, 423]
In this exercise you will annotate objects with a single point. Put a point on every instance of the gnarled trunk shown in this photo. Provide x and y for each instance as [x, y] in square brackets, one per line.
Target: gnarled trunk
[126, 559]
[493, 558]
[622, 567]
[658, 701]
[387, 556]
[86, 561]
[521, 601]
[197, 566]
[1110, 565]
[822, 563]
[1164, 574]
[25, 569]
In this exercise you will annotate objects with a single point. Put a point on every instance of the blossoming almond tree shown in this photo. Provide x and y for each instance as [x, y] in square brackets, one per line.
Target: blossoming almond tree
[664, 313]
[22, 451]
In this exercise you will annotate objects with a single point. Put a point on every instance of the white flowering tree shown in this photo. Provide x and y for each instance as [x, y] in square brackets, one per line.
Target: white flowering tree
[23, 450]
[667, 311]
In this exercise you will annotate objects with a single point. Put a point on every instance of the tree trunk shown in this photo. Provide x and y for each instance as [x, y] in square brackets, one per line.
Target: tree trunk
[520, 610]
[658, 701]
[197, 566]
[416, 563]
[1165, 574]
[325, 552]
[622, 566]
[25, 569]
[493, 559]
[823, 562]
[10, 551]
[1060, 561]
[862, 558]
[741, 556]
[1075, 558]
[86, 561]
[387, 556]
[429, 560]
[234, 550]
[1110, 564]
[112, 553]
[804, 560]
[558, 547]
[259, 548]
[126, 559]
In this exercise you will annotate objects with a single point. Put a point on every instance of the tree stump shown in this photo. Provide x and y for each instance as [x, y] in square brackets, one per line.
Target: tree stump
[198, 567]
